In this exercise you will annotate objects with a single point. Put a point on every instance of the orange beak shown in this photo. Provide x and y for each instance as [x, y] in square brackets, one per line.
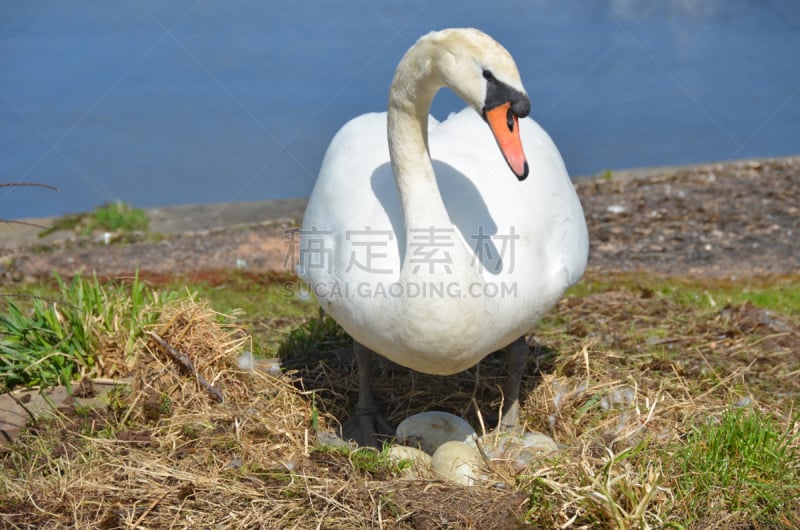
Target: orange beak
[505, 127]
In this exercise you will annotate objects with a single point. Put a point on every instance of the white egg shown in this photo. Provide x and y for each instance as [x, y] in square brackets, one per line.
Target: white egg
[458, 462]
[518, 450]
[420, 461]
[429, 430]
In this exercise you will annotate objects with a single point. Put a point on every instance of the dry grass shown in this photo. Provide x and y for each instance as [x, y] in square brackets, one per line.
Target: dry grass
[620, 379]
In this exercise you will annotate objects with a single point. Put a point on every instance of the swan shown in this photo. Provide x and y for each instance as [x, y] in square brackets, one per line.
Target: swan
[416, 242]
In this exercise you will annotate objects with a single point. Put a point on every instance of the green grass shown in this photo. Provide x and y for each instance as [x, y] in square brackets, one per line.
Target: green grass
[320, 333]
[744, 464]
[368, 460]
[51, 332]
[114, 216]
[254, 297]
[52, 338]
[781, 294]
[110, 217]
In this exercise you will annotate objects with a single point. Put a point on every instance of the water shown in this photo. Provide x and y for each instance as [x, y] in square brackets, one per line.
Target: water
[159, 103]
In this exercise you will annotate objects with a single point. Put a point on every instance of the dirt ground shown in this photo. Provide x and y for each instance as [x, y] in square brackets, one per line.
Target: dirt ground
[724, 220]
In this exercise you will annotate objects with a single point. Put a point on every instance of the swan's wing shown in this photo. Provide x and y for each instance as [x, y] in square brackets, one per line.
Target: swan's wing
[483, 197]
[354, 214]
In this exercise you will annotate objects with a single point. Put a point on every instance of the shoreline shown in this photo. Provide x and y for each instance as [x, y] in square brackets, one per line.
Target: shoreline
[187, 218]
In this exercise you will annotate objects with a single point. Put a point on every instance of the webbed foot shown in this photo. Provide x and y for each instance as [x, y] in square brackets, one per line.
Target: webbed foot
[516, 358]
[367, 427]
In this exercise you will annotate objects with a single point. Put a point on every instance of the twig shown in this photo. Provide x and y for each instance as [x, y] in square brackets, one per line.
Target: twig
[26, 184]
[29, 184]
[18, 401]
[150, 508]
[5, 389]
[7, 436]
[17, 222]
[186, 362]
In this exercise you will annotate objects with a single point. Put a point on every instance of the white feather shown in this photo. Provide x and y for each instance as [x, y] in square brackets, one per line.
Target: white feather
[489, 303]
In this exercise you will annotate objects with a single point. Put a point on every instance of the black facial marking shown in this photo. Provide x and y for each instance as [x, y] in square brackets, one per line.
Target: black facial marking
[498, 93]
[524, 173]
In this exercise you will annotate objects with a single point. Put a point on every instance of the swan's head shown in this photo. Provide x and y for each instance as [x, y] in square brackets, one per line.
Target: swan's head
[483, 73]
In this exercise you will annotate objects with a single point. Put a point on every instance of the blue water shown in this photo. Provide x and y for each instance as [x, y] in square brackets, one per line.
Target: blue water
[159, 103]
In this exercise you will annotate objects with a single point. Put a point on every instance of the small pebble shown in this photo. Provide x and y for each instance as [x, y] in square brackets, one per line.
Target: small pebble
[330, 439]
[246, 361]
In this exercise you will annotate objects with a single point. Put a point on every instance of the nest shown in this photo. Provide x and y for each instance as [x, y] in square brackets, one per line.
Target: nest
[179, 456]
[191, 358]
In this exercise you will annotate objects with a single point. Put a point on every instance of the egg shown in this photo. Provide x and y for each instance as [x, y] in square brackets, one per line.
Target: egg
[429, 430]
[458, 462]
[420, 461]
[519, 450]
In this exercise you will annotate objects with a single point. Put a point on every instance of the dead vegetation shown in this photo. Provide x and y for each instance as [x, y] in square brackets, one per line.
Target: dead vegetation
[622, 379]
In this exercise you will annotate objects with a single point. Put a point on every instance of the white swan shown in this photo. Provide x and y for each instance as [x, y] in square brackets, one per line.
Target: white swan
[422, 248]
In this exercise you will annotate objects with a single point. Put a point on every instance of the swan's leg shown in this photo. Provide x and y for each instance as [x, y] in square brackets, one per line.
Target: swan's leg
[516, 358]
[366, 426]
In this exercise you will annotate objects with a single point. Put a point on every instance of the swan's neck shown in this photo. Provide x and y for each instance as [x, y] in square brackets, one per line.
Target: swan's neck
[414, 85]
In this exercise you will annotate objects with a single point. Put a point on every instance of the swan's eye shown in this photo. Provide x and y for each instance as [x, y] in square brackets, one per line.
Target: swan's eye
[488, 75]
[510, 120]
